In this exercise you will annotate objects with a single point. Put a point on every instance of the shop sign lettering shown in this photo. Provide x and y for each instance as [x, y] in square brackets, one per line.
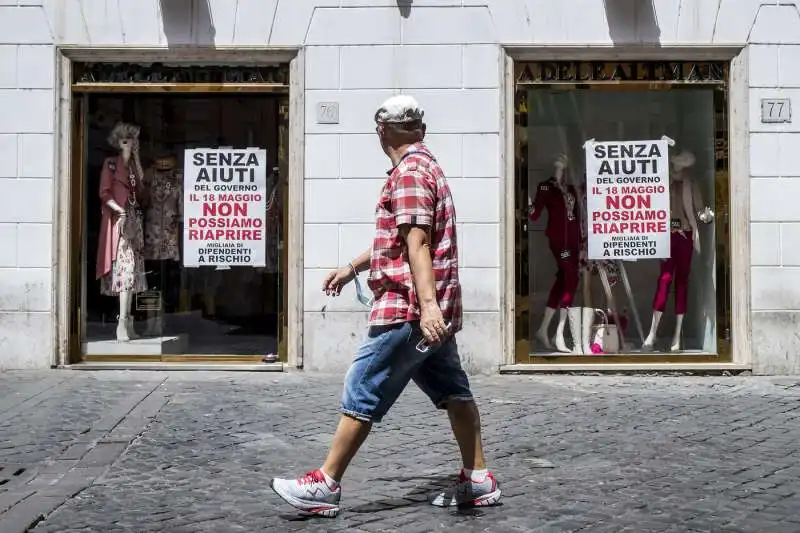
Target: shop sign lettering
[109, 73]
[599, 71]
[627, 200]
[225, 205]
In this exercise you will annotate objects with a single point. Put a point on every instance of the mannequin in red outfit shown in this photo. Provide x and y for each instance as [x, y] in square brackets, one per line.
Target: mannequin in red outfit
[686, 209]
[563, 232]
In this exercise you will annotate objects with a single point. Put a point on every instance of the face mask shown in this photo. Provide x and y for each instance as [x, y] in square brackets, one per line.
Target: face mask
[360, 294]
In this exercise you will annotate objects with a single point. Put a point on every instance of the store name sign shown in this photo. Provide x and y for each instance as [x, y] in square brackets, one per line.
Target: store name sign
[600, 71]
[158, 73]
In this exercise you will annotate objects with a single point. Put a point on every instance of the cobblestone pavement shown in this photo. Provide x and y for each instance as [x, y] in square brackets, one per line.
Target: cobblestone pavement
[193, 452]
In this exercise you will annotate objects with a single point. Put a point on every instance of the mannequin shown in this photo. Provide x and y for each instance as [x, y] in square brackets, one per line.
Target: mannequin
[163, 182]
[120, 263]
[565, 238]
[686, 208]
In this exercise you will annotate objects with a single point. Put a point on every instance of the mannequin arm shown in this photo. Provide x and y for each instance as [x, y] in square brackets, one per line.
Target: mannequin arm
[535, 210]
[704, 213]
[106, 179]
[114, 206]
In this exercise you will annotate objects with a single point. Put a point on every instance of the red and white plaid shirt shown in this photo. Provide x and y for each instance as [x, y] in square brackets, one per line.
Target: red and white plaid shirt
[417, 194]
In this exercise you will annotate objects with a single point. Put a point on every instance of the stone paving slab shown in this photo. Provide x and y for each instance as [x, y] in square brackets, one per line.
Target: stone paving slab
[194, 453]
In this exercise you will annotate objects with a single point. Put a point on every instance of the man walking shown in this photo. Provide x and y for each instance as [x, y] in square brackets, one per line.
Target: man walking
[413, 273]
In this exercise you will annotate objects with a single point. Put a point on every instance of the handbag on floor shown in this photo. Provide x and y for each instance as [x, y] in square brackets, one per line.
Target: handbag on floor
[605, 335]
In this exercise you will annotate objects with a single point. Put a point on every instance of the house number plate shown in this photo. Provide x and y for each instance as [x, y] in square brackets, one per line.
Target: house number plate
[328, 113]
[776, 110]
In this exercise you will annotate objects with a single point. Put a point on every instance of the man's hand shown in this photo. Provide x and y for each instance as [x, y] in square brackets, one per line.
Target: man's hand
[336, 279]
[431, 322]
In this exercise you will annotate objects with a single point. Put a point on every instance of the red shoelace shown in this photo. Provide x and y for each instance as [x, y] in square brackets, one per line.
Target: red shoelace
[312, 477]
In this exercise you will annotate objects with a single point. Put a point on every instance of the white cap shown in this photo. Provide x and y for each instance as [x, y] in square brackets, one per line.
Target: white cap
[399, 109]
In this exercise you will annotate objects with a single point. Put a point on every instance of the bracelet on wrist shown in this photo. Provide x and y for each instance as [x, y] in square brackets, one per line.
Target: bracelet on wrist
[353, 268]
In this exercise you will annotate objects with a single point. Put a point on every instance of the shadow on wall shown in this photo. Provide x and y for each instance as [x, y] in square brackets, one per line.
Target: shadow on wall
[632, 21]
[405, 7]
[187, 22]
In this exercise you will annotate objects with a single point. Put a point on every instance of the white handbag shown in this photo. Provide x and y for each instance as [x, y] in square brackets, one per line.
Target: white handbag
[604, 334]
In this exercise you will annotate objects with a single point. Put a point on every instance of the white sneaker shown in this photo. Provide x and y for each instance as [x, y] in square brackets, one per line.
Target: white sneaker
[310, 493]
[467, 492]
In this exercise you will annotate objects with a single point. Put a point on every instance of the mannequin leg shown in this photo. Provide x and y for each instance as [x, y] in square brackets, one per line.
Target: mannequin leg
[575, 329]
[152, 328]
[561, 346]
[554, 302]
[661, 297]
[676, 337]
[587, 321]
[587, 317]
[129, 322]
[651, 337]
[562, 295]
[122, 321]
[682, 250]
[541, 333]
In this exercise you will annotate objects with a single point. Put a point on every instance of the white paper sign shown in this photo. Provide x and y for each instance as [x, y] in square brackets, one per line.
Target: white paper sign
[627, 200]
[225, 202]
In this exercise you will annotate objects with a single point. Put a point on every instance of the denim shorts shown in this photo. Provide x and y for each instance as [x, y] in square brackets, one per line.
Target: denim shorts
[388, 359]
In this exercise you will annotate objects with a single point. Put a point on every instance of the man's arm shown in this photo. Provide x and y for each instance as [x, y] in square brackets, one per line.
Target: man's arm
[421, 263]
[361, 262]
[419, 259]
[413, 200]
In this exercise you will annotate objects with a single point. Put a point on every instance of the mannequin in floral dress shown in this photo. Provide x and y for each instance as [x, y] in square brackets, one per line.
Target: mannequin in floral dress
[120, 263]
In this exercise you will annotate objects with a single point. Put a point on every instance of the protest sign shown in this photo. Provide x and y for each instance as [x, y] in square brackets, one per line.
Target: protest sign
[225, 205]
[627, 200]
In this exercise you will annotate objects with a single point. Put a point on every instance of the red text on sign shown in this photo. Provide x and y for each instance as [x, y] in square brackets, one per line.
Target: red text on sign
[629, 201]
[225, 209]
[629, 227]
[225, 235]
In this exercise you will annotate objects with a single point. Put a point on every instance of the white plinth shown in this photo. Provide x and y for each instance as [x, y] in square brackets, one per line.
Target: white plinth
[173, 345]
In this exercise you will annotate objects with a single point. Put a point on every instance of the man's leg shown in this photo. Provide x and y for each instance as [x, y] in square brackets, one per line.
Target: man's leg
[379, 373]
[446, 384]
[466, 423]
[349, 437]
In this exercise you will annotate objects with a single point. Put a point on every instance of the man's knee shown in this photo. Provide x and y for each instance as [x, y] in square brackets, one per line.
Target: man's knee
[460, 405]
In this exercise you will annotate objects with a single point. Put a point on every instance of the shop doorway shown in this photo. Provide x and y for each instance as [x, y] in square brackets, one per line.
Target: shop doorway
[567, 307]
[146, 299]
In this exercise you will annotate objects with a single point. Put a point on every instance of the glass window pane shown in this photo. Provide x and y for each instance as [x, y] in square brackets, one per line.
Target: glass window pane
[141, 300]
[559, 292]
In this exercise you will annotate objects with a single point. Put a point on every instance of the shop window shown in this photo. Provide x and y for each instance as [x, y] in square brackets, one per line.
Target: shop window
[169, 271]
[657, 286]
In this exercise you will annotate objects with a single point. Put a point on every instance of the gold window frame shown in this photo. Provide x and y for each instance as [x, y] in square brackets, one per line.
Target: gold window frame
[637, 74]
[278, 80]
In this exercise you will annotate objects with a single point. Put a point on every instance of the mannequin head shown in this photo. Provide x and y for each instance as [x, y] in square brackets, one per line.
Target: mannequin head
[125, 138]
[559, 165]
[165, 163]
[680, 162]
